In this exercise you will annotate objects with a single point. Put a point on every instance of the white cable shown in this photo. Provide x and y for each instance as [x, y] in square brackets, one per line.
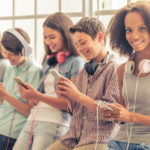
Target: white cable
[130, 132]
[127, 108]
[98, 103]
[97, 116]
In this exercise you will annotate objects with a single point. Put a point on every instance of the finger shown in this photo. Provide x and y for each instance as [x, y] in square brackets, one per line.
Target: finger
[64, 85]
[62, 78]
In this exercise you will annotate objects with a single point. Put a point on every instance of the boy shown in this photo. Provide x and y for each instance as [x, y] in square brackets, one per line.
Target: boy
[97, 81]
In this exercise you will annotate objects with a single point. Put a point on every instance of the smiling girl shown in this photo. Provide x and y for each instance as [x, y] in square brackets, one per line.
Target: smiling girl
[130, 35]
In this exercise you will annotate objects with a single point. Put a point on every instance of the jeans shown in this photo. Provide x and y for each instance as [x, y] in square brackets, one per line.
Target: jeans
[44, 134]
[116, 145]
[58, 146]
[4, 142]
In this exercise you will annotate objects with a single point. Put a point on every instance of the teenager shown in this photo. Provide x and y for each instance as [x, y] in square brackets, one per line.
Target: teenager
[131, 28]
[15, 109]
[50, 121]
[97, 81]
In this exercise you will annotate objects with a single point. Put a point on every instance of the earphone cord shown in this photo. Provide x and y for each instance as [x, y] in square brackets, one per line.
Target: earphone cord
[10, 129]
[97, 116]
[34, 116]
[11, 125]
[97, 124]
[130, 133]
[127, 107]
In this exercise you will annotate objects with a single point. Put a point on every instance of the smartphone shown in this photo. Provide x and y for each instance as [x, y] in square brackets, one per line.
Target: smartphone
[55, 73]
[102, 104]
[19, 80]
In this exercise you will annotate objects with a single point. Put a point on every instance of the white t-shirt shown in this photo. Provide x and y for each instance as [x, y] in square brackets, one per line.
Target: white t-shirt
[45, 112]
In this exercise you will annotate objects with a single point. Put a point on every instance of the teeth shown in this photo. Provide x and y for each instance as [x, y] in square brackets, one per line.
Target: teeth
[136, 43]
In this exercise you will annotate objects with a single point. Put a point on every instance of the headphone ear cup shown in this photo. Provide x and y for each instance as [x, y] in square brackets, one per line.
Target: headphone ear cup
[129, 67]
[144, 66]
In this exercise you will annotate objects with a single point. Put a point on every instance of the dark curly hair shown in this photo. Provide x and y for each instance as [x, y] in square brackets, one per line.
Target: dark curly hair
[116, 27]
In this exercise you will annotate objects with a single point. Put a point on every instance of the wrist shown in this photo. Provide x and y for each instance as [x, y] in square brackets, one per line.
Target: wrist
[131, 116]
[5, 95]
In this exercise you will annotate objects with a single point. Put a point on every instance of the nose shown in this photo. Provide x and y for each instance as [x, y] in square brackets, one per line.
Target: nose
[135, 35]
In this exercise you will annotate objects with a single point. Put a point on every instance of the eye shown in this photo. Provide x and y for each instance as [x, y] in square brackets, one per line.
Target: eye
[142, 28]
[45, 37]
[83, 42]
[128, 30]
[52, 37]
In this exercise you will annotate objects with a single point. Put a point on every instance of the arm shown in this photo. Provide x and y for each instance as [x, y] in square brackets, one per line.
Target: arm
[75, 65]
[66, 88]
[120, 112]
[13, 96]
[21, 107]
[1, 101]
[32, 94]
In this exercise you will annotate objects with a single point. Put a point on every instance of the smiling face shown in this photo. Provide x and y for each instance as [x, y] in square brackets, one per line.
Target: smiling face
[88, 47]
[13, 58]
[137, 33]
[53, 39]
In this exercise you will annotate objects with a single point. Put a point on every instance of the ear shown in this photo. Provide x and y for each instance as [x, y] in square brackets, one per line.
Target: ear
[100, 36]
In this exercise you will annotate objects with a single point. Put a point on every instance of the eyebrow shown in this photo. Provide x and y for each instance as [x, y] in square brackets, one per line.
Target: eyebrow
[137, 25]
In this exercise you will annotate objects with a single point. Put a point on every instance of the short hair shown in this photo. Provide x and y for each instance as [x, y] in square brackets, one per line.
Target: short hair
[90, 26]
[62, 23]
[11, 43]
[116, 27]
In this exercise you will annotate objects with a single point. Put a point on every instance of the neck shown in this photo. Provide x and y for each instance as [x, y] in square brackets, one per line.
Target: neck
[101, 57]
[22, 61]
[142, 55]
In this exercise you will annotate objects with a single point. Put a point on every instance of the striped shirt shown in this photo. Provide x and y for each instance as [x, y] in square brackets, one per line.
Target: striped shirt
[103, 85]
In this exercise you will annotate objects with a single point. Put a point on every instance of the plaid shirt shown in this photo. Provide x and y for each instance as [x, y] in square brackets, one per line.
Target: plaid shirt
[103, 85]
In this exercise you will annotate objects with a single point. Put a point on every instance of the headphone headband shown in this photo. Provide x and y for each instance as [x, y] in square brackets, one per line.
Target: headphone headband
[27, 49]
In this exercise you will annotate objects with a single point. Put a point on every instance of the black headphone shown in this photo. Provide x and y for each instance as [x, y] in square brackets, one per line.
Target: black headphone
[52, 61]
[90, 67]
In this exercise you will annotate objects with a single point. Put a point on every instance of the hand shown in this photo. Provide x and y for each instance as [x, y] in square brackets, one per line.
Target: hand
[66, 88]
[33, 102]
[29, 93]
[119, 113]
[3, 91]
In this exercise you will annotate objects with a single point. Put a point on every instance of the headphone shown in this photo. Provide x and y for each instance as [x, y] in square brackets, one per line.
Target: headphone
[60, 58]
[90, 67]
[144, 66]
[27, 49]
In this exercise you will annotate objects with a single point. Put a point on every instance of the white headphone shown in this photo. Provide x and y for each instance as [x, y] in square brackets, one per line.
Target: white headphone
[27, 49]
[144, 66]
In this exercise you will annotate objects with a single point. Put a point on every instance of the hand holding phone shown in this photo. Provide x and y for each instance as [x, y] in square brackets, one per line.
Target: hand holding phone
[55, 74]
[102, 104]
[19, 80]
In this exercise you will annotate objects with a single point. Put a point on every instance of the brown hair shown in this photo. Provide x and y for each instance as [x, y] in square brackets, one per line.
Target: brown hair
[116, 27]
[11, 42]
[0, 48]
[61, 22]
[90, 26]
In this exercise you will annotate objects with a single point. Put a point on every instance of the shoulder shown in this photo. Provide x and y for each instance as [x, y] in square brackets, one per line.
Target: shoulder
[34, 65]
[75, 59]
[121, 70]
